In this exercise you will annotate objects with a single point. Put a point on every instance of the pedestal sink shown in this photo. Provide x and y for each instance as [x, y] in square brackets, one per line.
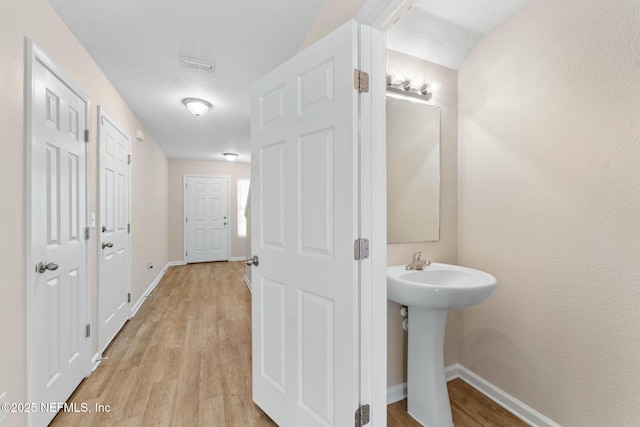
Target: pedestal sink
[430, 294]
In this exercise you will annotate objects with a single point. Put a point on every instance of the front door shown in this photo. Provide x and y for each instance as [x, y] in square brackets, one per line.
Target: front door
[206, 222]
[114, 285]
[304, 196]
[58, 284]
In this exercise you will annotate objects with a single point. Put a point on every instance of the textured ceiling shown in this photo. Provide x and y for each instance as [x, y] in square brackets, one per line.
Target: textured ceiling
[445, 31]
[138, 44]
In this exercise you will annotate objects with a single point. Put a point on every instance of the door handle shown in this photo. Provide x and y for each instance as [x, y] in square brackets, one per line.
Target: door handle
[253, 261]
[43, 266]
[107, 245]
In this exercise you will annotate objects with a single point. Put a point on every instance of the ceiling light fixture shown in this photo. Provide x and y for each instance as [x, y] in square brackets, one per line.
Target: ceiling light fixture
[197, 106]
[231, 157]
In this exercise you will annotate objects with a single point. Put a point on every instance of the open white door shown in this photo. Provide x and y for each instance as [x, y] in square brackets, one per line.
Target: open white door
[305, 314]
[114, 283]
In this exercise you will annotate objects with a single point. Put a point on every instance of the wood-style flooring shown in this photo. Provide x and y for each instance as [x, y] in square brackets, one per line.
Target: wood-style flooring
[469, 408]
[185, 360]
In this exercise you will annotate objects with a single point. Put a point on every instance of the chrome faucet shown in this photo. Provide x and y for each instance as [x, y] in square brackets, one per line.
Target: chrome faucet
[417, 263]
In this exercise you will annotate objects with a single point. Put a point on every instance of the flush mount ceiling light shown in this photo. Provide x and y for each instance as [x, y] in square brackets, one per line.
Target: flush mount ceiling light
[231, 157]
[197, 106]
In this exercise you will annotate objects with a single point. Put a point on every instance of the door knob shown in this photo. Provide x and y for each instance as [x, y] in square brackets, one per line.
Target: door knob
[43, 266]
[253, 261]
[107, 245]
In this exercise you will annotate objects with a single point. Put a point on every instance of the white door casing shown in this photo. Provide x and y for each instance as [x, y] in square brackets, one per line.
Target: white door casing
[305, 314]
[206, 221]
[58, 306]
[373, 225]
[114, 245]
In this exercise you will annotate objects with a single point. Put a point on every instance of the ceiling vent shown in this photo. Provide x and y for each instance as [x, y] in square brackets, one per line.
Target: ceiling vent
[197, 64]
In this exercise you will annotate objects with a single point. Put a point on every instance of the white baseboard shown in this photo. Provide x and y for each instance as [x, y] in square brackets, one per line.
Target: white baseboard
[525, 413]
[152, 286]
[173, 263]
[396, 393]
[452, 372]
[247, 282]
[95, 361]
[237, 258]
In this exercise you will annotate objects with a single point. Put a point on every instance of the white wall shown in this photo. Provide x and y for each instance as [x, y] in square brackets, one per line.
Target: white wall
[549, 203]
[35, 19]
[178, 168]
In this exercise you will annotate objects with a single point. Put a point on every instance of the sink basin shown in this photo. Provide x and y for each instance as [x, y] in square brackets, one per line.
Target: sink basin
[439, 286]
[430, 294]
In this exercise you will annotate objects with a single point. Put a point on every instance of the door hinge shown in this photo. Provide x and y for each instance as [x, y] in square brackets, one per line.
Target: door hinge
[186, 254]
[86, 233]
[360, 249]
[360, 80]
[128, 159]
[362, 415]
[86, 135]
[129, 297]
[88, 331]
[186, 219]
[129, 228]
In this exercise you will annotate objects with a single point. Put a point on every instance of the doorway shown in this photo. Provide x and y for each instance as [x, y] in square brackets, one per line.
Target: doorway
[206, 218]
[58, 295]
[114, 245]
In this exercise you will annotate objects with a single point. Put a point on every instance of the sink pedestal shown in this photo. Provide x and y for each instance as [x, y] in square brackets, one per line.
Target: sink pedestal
[427, 395]
[430, 294]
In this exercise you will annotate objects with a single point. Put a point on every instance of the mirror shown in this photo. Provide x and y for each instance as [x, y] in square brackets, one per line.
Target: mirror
[413, 170]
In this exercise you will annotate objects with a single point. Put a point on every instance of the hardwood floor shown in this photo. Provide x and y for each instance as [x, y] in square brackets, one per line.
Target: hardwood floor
[185, 360]
[469, 408]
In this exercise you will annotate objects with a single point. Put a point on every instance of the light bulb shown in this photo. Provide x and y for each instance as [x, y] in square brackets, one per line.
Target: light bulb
[398, 77]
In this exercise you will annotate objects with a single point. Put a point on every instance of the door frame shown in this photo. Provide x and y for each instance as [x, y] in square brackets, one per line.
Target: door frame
[102, 115]
[35, 54]
[184, 211]
[377, 16]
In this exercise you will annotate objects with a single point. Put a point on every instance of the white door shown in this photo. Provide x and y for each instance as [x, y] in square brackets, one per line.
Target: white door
[206, 222]
[57, 293]
[114, 283]
[304, 211]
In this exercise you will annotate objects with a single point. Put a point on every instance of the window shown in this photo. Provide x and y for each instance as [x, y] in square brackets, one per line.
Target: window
[243, 196]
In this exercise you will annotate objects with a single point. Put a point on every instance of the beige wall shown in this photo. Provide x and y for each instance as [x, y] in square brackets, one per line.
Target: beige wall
[549, 204]
[36, 19]
[444, 250]
[178, 168]
[332, 14]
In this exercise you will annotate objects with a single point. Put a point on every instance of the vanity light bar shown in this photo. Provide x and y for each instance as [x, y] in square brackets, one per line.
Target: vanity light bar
[393, 92]
[416, 89]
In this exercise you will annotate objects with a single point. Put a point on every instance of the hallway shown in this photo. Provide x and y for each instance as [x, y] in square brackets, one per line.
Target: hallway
[183, 360]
